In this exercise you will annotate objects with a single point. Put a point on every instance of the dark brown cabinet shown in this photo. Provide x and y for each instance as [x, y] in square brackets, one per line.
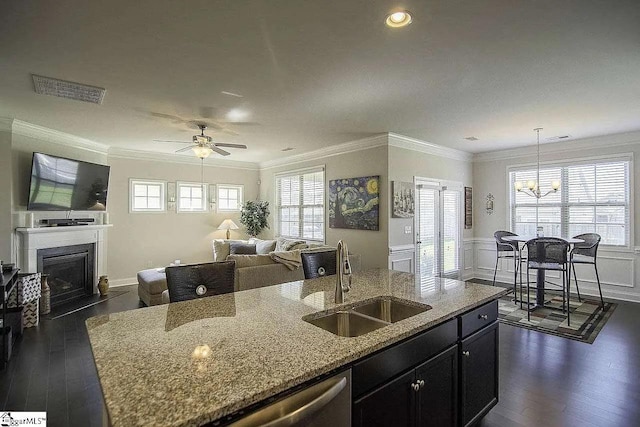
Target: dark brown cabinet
[479, 374]
[444, 377]
[425, 396]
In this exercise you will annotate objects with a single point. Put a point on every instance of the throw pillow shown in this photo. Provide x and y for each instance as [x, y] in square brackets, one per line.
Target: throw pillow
[242, 248]
[221, 249]
[263, 247]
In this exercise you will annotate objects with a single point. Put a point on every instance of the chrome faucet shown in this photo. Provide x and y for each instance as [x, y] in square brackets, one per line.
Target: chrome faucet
[343, 270]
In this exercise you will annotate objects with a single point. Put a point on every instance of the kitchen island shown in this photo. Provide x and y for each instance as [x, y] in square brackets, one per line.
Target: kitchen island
[195, 362]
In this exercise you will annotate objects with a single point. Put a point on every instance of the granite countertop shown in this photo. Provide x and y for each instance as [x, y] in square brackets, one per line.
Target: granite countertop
[188, 363]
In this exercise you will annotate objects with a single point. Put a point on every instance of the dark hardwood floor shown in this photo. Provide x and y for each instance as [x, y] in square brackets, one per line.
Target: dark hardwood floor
[545, 380]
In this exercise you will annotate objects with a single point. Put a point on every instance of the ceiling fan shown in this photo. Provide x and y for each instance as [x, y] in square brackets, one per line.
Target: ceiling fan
[203, 145]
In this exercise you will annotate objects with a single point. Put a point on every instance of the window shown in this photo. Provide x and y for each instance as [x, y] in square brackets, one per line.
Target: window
[229, 197]
[593, 198]
[300, 204]
[146, 196]
[192, 197]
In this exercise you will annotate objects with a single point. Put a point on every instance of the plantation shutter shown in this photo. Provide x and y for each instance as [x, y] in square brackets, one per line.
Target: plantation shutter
[300, 204]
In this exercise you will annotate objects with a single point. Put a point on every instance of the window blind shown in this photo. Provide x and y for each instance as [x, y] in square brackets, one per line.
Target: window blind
[594, 197]
[300, 204]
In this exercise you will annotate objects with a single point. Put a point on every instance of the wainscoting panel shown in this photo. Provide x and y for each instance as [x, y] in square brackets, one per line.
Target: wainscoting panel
[618, 274]
[402, 258]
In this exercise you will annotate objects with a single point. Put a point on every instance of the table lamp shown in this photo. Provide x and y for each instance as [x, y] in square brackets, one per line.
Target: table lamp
[227, 224]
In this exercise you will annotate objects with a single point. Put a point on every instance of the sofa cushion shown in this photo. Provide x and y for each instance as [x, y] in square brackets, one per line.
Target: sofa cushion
[236, 248]
[264, 246]
[222, 248]
[243, 261]
[289, 244]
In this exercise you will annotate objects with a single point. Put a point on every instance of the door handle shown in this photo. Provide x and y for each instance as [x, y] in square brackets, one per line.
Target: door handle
[419, 242]
[415, 387]
[483, 316]
[466, 353]
[421, 383]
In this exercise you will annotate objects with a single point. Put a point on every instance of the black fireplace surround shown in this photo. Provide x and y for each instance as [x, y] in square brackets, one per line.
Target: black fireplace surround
[70, 271]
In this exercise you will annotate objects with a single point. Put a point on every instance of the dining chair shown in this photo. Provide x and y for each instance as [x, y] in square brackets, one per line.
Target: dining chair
[549, 253]
[507, 249]
[187, 282]
[318, 264]
[586, 253]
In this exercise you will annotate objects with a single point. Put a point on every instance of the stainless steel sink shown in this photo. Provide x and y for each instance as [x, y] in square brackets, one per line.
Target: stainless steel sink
[390, 309]
[347, 323]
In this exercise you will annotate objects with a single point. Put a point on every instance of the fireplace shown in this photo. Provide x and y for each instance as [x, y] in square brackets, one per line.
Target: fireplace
[70, 271]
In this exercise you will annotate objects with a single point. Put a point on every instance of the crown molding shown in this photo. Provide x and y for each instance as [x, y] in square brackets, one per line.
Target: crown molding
[573, 146]
[124, 153]
[332, 150]
[30, 130]
[408, 143]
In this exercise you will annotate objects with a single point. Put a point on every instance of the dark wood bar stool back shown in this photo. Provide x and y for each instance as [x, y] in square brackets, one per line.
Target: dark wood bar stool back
[549, 253]
[318, 264]
[506, 249]
[187, 282]
[586, 253]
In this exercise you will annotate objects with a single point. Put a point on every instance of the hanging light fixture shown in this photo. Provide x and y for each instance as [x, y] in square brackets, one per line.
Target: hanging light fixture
[531, 187]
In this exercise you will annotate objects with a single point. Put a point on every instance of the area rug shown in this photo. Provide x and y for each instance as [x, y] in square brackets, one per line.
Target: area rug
[81, 304]
[587, 317]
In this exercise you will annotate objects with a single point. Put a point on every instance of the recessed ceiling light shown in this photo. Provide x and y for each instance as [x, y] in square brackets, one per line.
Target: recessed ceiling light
[398, 19]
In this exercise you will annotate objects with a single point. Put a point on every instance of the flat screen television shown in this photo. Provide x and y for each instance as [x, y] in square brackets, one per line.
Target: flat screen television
[59, 184]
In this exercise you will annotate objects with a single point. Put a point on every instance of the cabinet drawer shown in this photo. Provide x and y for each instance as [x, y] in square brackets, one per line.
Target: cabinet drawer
[383, 366]
[478, 318]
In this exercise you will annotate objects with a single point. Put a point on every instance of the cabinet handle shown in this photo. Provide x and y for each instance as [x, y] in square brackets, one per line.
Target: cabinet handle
[466, 353]
[421, 383]
[415, 387]
[483, 317]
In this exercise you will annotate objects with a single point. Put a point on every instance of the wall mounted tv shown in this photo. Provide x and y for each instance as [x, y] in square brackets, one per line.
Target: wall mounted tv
[59, 184]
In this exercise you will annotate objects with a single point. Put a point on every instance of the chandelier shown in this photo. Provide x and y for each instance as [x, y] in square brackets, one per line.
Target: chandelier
[533, 187]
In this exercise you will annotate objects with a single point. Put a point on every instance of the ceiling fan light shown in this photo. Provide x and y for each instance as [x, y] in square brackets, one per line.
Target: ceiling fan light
[202, 151]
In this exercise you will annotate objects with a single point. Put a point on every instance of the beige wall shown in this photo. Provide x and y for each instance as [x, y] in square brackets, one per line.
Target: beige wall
[371, 245]
[142, 240]
[404, 165]
[6, 228]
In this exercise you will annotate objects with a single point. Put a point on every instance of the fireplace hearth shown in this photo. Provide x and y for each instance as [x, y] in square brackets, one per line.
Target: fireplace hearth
[70, 271]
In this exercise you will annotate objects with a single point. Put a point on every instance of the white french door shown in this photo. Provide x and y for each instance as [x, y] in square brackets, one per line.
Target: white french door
[439, 231]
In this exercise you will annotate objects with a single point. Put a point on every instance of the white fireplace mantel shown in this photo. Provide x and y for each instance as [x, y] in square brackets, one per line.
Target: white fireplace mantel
[32, 239]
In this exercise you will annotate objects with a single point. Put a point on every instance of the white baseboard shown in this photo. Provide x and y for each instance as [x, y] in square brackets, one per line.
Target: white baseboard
[123, 282]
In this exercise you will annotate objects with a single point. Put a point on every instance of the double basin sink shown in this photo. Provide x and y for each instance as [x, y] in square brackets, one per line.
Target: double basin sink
[361, 318]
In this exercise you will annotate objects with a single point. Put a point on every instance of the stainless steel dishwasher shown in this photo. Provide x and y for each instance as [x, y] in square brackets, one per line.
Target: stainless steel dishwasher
[325, 404]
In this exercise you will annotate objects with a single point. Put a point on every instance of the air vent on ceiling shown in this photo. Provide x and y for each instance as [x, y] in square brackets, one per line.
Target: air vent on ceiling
[64, 89]
[471, 138]
[557, 138]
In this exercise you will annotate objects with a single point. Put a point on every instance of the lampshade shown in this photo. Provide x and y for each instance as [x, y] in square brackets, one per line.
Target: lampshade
[228, 224]
[202, 151]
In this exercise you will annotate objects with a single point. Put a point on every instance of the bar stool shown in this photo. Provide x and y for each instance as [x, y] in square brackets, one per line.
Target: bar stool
[187, 282]
[550, 253]
[586, 253]
[507, 249]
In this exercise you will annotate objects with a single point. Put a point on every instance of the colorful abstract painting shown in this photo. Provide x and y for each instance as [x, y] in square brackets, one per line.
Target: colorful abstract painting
[354, 203]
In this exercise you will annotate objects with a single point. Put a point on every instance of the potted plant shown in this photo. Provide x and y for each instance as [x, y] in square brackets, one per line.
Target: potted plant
[253, 216]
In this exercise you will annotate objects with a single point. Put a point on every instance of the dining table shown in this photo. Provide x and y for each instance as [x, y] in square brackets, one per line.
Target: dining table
[540, 277]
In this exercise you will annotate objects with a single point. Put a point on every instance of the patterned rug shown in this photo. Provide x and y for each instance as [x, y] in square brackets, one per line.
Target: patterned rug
[587, 317]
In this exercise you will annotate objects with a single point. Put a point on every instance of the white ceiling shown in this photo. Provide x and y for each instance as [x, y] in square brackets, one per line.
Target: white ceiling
[319, 72]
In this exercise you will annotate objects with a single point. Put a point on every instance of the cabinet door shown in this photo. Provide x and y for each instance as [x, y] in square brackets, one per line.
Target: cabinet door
[438, 397]
[479, 371]
[393, 404]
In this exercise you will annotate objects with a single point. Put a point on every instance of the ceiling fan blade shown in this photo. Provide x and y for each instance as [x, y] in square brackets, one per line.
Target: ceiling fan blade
[220, 150]
[225, 144]
[181, 142]
[229, 132]
[168, 117]
[240, 123]
[182, 150]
